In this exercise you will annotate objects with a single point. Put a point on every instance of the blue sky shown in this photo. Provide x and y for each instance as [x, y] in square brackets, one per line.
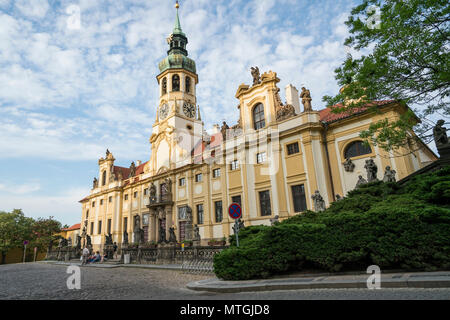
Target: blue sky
[68, 94]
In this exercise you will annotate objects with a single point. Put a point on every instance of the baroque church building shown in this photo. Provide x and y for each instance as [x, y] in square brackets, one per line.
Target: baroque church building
[278, 161]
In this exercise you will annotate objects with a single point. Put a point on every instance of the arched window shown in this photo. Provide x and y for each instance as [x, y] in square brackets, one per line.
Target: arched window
[258, 117]
[176, 83]
[355, 149]
[103, 178]
[164, 86]
[188, 85]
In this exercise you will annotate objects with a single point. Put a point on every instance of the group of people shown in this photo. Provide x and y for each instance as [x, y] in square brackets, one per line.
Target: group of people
[88, 257]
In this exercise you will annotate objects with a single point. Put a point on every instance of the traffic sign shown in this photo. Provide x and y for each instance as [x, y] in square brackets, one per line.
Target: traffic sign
[235, 211]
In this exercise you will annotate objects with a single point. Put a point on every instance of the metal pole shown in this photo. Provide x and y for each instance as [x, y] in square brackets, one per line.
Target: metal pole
[35, 252]
[237, 232]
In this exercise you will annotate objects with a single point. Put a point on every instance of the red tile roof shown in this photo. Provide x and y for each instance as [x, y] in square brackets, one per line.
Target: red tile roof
[74, 227]
[327, 116]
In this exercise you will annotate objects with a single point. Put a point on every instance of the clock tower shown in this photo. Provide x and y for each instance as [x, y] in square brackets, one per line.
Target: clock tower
[178, 126]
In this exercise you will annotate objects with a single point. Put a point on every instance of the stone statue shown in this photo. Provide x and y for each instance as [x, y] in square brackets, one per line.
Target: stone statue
[107, 153]
[319, 203]
[120, 176]
[349, 165]
[224, 130]
[152, 193]
[88, 241]
[306, 99]
[372, 170]
[197, 233]
[108, 239]
[168, 186]
[78, 246]
[95, 183]
[172, 236]
[389, 175]
[69, 242]
[125, 237]
[141, 235]
[256, 76]
[440, 134]
[360, 181]
[137, 228]
[162, 234]
[274, 221]
[132, 170]
[189, 215]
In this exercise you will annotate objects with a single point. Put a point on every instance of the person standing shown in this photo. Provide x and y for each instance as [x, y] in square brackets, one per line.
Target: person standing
[115, 250]
[85, 254]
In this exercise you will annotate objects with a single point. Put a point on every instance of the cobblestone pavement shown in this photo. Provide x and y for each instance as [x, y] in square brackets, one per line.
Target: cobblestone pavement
[46, 281]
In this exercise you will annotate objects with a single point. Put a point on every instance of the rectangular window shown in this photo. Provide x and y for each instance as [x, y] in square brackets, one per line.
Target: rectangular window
[125, 224]
[101, 202]
[126, 197]
[109, 226]
[87, 214]
[110, 199]
[234, 165]
[218, 211]
[92, 228]
[198, 177]
[145, 192]
[135, 195]
[292, 148]
[216, 173]
[182, 182]
[200, 213]
[236, 199]
[99, 227]
[93, 204]
[264, 202]
[261, 157]
[299, 197]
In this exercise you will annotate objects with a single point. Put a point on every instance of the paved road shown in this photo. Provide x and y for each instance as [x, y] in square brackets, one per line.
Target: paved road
[45, 281]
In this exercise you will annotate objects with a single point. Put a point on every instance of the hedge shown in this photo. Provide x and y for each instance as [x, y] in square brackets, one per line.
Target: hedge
[385, 224]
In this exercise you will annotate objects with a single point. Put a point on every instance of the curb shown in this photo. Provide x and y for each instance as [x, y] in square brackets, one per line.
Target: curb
[405, 281]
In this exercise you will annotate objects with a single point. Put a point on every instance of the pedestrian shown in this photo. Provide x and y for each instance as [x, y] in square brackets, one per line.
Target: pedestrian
[85, 255]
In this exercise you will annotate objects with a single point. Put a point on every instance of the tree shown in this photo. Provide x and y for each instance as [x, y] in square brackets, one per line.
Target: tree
[14, 229]
[44, 231]
[409, 62]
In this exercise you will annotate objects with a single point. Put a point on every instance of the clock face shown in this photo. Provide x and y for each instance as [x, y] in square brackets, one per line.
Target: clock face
[189, 110]
[163, 111]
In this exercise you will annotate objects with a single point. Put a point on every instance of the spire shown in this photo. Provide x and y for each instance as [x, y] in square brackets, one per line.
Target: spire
[177, 28]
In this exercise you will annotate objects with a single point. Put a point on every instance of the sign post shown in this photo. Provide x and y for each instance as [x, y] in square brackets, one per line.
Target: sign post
[235, 212]
[24, 249]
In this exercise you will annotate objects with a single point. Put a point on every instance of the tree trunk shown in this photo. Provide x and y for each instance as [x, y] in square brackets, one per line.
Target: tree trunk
[3, 257]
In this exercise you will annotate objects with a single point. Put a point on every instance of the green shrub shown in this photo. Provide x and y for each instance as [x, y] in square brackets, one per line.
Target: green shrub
[381, 223]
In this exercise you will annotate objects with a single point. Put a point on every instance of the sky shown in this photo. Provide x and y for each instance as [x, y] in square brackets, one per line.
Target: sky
[69, 90]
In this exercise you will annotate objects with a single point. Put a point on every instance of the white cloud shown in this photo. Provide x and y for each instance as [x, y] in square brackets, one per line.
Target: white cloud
[20, 189]
[32, 8]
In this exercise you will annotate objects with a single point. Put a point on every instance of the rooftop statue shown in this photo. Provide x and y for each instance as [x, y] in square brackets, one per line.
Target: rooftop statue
[256, 76]
[306, 99]
[132, 170]
[440, 134]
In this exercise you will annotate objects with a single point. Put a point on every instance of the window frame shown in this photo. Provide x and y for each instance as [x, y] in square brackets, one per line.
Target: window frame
[259, 116]
[218, 213]
[302, 200]
[200, 213]
[288, 150]
[266, 202]
[360, 148]
[261, 157]
[215, 171]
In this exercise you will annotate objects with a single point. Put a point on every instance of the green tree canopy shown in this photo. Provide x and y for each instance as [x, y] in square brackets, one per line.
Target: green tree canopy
[409, 62]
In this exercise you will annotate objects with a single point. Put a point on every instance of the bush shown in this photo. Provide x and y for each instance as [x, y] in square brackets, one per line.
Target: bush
[382, 223]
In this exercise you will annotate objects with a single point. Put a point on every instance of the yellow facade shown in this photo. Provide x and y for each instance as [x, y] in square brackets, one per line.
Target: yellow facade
[297, 152]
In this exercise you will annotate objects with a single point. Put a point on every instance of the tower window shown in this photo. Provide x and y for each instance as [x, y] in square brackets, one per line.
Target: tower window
[164, 86]
[103, 178]
[176, 83]
[188, 84]
[258, 117]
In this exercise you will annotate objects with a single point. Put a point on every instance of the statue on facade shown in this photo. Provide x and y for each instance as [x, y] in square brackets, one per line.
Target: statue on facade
[137, 228]
[141, 236]
[256, 75]
[162, 234]
[78, 245]
[389, 175]
[361, 181]
[349, 166]
[197, 233]
[132, 170]
[224, 130]
[152, 193]
[440, 134]
[306, 99]
[88, 241]
[125, 237]
[372, 170]
[274, 221]
[107, 153]
[189, 215]
[95, 183]
[319, 203]
[168, 186]
[172, 236]
[120, 176]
